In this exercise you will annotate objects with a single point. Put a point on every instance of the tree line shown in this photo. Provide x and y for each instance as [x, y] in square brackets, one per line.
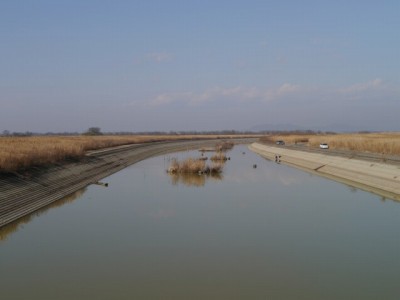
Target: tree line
[95, 131]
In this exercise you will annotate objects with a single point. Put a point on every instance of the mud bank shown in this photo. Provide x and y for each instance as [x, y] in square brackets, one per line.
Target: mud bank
[379, 178]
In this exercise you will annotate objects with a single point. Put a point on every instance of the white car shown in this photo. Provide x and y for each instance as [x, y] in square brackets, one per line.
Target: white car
[324, 146]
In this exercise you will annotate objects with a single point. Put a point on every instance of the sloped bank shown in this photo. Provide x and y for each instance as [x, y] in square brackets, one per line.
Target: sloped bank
[21, 195]
[379, 178]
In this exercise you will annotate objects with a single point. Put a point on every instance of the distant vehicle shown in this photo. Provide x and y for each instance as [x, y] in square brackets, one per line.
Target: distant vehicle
[280, 142]
[324, 146]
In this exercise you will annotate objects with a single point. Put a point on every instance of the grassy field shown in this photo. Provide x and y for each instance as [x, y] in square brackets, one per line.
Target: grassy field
[21, 153]
[382, 143]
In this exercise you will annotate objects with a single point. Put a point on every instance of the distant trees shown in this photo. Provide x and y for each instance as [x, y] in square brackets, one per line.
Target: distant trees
[93, 131]
[16, 134]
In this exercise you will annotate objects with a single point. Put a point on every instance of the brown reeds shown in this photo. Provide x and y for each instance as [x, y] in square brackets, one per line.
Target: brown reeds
[193, 166]
[21, 153]
[288, 139]
[373, 143]
[380, 143]
[219, 156]
[224, 146]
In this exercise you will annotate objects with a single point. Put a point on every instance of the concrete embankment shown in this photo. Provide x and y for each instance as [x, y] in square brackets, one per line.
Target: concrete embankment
[379, 178]
[22, 194]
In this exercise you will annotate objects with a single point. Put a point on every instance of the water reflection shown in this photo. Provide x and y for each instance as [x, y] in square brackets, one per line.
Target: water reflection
[8, 229]
[195, 180]
[353, 187]
[255, 237]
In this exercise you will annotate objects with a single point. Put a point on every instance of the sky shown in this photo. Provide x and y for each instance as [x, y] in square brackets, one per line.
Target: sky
[199, 65]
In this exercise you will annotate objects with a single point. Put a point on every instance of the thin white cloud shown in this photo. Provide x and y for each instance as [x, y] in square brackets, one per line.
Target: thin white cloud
[158, 57]
[373, 90]
[168, 98]
[162, 99]
[216, 94]
[238, 94]
[241, 95]
[365, 86]
[288, 88]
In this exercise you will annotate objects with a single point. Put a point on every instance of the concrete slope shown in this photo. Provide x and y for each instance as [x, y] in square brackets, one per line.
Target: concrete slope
[379, 178]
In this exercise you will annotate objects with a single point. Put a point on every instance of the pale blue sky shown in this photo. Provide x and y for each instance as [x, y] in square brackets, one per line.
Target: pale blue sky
[199, 65]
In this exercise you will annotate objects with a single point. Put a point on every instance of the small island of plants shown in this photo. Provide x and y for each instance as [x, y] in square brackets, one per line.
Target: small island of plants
[194, 166]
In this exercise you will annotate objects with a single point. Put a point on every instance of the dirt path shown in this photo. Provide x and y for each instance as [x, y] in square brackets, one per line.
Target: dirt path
[21, 195]
[369, 173]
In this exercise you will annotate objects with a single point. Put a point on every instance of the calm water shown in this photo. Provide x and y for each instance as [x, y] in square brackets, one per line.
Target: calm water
[271, 232]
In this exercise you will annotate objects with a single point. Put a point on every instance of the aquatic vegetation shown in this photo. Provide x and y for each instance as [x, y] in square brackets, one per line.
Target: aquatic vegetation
[219, 157]
[224, 146]
[193, 166]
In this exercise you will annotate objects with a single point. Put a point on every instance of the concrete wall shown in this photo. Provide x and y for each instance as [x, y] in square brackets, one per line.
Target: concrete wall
[379, 178]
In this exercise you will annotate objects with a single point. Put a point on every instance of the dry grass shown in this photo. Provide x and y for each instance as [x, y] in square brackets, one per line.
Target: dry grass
[224, 146]
[193, 166]
[381, 143]
[219, 156]
[21, 153]
[289, 139]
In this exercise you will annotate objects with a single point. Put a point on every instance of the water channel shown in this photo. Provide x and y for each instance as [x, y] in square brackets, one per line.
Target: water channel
[270, 232]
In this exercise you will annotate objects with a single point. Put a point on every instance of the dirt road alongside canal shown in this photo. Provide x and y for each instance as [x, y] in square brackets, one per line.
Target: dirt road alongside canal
[368, 174]
[23, 194]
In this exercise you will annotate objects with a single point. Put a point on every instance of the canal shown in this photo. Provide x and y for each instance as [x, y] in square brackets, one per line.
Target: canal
[260, 230]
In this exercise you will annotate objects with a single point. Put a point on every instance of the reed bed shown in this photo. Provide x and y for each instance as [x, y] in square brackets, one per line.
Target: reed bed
[224, 146]
[193, 166]
[220, 156]
[380, 143]
[373, 143]
[21, 153]
[289, 139]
